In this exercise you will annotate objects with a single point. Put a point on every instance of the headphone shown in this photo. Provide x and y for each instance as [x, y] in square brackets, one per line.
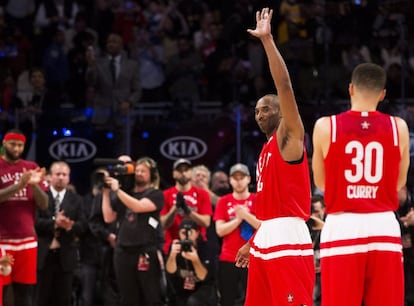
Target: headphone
[152, 164]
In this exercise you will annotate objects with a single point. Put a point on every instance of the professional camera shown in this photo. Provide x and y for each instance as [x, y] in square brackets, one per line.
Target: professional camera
[186, 244]
[122, 171]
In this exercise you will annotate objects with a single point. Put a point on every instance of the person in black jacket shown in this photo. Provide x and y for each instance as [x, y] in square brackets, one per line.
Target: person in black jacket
[137, 255]
[94, 249]
[106, 233]
[58, 229]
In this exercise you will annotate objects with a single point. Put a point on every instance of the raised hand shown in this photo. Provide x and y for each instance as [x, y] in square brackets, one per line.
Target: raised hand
[263, 20]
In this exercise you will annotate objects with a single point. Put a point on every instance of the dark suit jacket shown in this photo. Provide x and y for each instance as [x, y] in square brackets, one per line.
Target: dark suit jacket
[69, 242]
[109, 95]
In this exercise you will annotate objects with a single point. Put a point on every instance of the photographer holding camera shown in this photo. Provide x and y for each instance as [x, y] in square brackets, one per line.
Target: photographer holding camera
[189, 268]
[136, 254]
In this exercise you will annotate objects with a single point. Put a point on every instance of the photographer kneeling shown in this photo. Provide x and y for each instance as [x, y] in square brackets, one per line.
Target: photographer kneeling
[189, 267]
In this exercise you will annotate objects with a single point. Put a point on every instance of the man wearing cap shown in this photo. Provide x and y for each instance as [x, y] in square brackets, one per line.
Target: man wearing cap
[184, 201]
[22, 188]
[235, 223]
[190, 267]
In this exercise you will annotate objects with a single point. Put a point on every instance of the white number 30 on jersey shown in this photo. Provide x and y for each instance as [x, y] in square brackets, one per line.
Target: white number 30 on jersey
[364, 165]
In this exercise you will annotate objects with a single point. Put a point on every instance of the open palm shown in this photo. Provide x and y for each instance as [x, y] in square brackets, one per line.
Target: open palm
[263, 19]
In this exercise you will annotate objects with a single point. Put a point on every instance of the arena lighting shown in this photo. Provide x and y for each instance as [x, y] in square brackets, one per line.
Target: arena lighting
[145, 135]
[54, 132]
[109, 135]
[88, 112]
[256, 133]
[66, 132]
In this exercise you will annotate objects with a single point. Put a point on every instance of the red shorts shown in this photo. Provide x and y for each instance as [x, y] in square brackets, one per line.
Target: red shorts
[361, 255]
[24, 252]
[281, 268]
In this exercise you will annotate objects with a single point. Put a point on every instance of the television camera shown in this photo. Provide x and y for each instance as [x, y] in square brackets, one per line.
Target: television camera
[122, 171]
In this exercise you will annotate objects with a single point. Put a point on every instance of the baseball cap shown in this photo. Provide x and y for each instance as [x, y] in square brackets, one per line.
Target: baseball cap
[188, 224]
[181, 161]
[239, 168]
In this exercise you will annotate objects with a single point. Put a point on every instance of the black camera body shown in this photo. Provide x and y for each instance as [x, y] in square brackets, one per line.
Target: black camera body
[186, 245]
[98, 180]
[124, 172]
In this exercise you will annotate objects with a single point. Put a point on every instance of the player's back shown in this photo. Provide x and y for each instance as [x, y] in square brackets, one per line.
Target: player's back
[362, 163]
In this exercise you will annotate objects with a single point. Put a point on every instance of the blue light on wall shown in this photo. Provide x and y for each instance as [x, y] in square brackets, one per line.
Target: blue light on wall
[109, 135]
[88, 112]
[66, 132]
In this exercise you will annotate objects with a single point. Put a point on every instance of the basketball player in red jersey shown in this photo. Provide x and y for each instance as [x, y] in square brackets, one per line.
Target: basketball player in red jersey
[21, 191]
[361, 160]
[281, 269]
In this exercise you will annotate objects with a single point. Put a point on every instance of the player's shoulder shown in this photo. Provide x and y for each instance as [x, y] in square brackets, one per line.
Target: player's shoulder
[322, 121]
[400, 120]
[402, 125]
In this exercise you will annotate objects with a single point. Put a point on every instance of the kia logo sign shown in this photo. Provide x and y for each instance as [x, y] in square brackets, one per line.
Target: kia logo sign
[183, 147]
[72, 149]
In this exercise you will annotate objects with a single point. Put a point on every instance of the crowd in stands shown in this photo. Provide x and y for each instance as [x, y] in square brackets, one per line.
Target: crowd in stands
[190, 50]
[187, 51]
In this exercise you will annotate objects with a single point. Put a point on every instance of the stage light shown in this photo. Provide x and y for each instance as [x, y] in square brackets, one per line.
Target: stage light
[88, 112]
[66, 132]
[145, 135]
[54, 132]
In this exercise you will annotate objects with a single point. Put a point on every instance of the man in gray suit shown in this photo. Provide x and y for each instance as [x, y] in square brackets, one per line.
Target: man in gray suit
[115, 81]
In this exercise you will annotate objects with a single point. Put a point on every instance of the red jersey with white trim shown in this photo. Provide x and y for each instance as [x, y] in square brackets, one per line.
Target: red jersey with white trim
[233, 241]
[283, 189]
[17, 212]
[197, 199]
[362, 163]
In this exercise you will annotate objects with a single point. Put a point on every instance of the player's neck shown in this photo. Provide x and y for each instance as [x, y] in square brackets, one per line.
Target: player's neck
[10, 161]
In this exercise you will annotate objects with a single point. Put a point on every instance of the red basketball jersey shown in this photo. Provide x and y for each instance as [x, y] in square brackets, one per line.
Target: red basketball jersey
[283, 189]
[17, 212]
[362, 163]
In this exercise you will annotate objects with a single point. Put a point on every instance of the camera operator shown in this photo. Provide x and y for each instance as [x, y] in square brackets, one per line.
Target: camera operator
[189, 267]
[137, 268]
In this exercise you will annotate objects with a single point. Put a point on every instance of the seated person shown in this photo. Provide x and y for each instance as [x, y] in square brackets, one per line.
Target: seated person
[189, 269]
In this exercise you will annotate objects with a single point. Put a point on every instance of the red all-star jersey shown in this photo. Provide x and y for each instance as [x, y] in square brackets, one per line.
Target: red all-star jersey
[362, 164]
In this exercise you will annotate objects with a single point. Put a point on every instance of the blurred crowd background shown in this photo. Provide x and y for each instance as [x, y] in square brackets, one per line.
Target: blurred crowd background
[197, 64]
